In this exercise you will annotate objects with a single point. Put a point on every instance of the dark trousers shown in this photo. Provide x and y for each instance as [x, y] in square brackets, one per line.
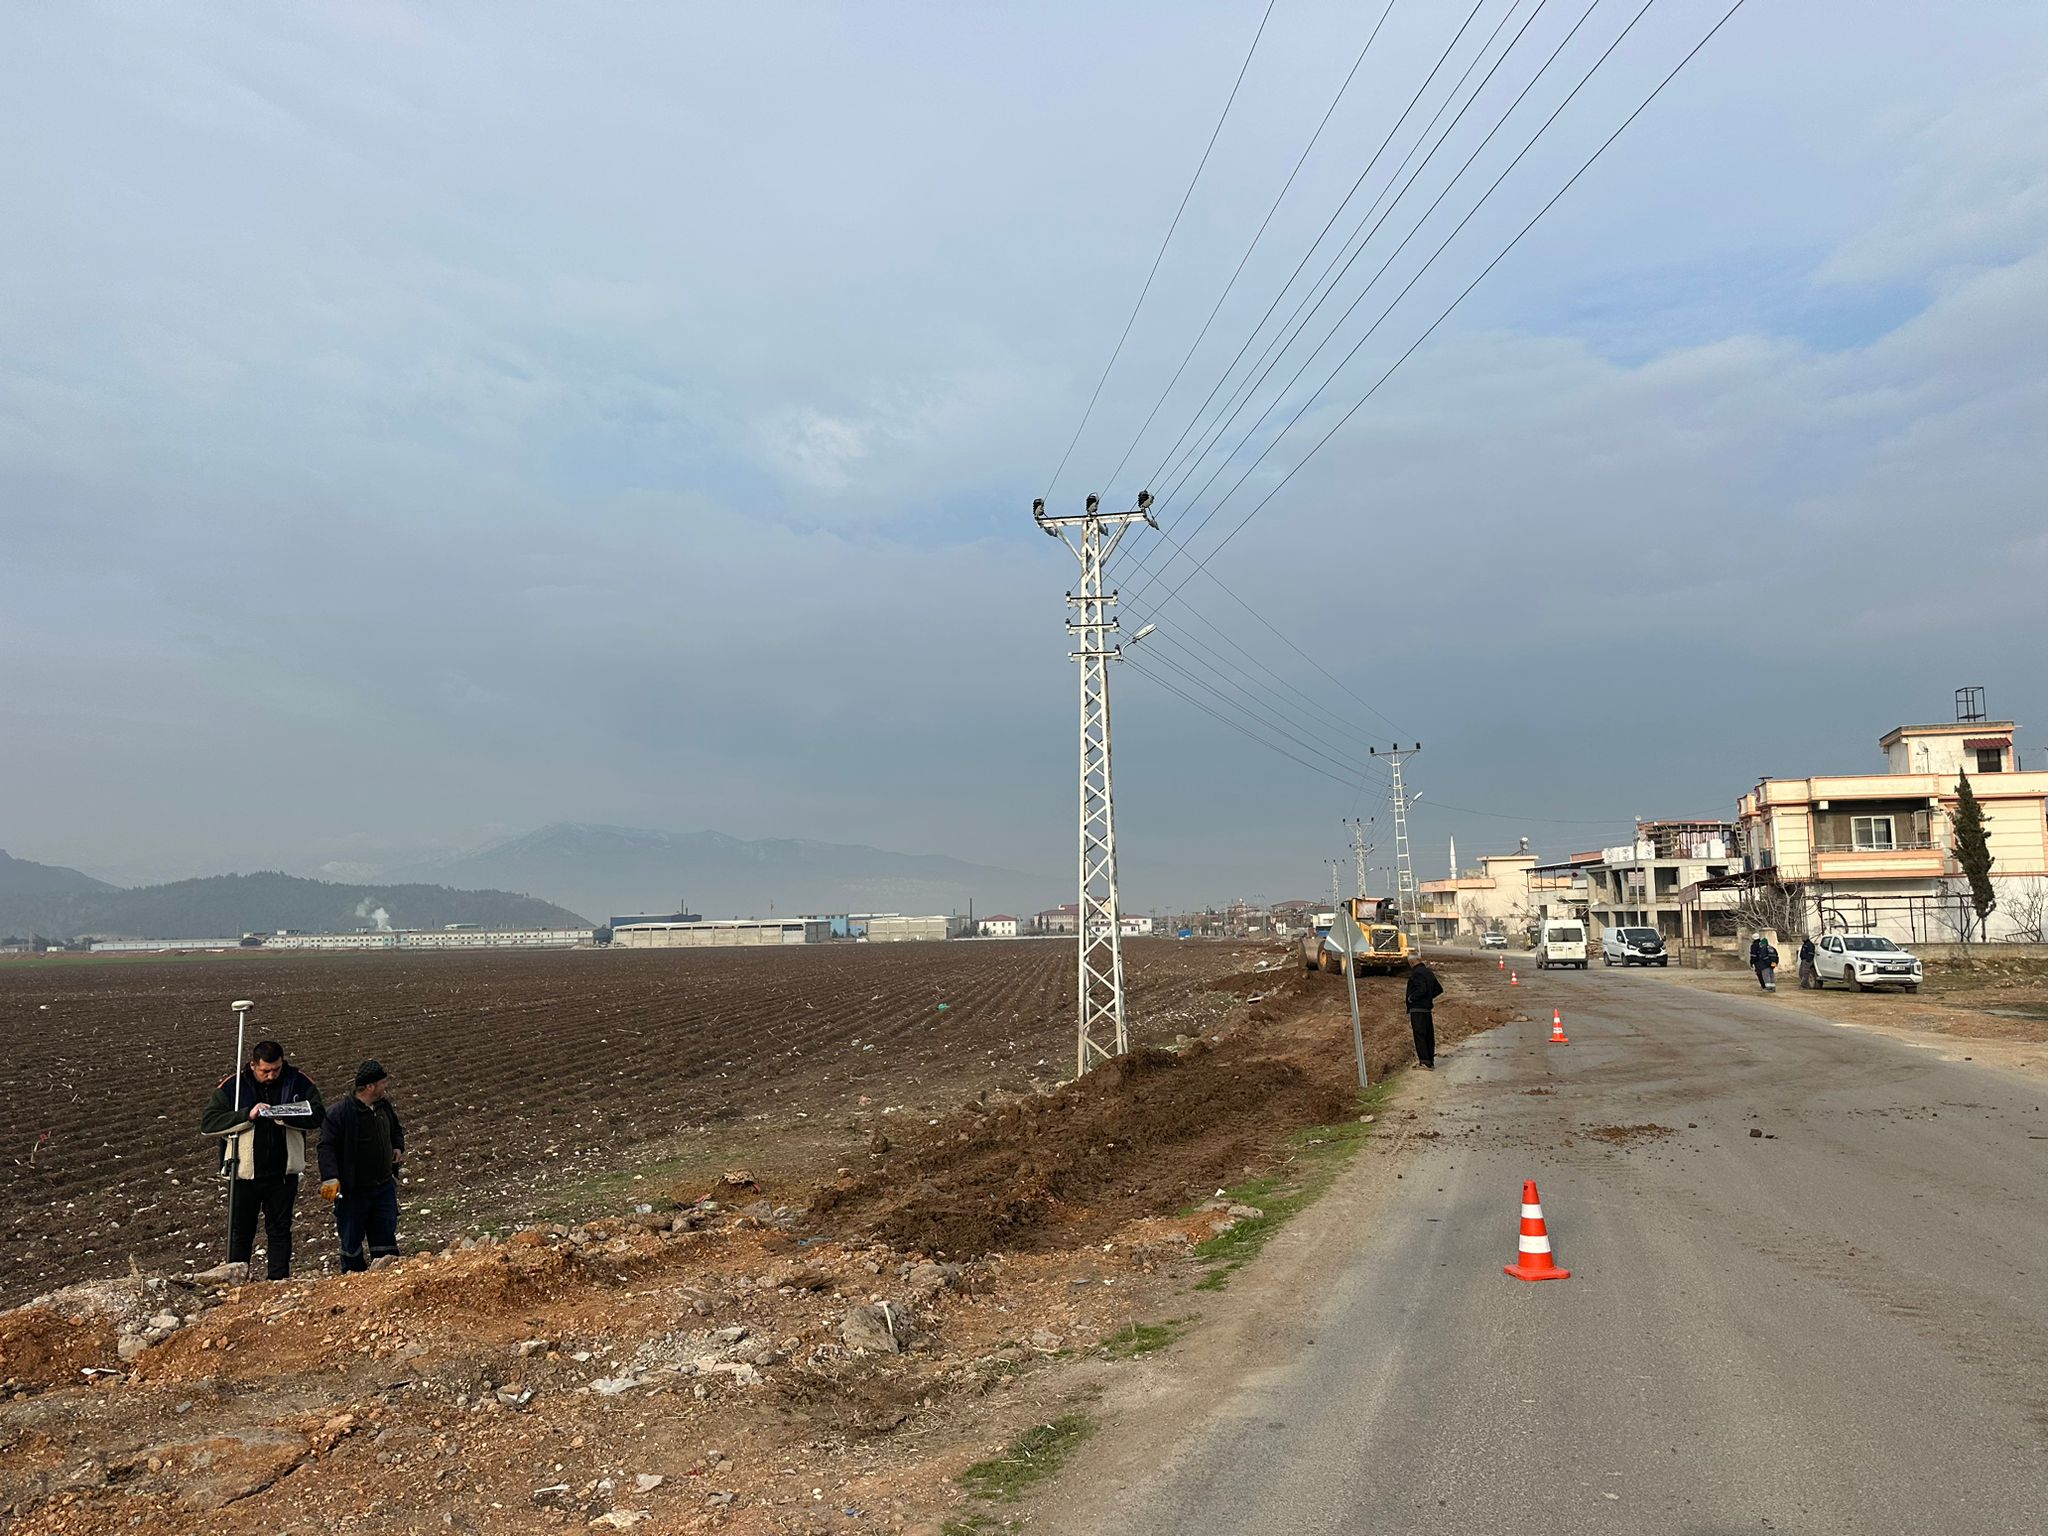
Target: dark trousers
[273, 1199]
[367, 1223]
[1423, 1022]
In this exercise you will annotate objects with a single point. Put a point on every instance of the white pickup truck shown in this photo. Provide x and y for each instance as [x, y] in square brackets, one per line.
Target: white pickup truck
[1862, 960]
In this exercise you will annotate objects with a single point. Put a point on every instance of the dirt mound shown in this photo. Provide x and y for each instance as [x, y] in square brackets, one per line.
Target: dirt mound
[1129, 1139]
[1622, 1135]
[1138, 1134]
[38, 1348]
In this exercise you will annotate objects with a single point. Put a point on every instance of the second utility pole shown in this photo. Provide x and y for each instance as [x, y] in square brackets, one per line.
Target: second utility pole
[1404, 867]
[1092, 536]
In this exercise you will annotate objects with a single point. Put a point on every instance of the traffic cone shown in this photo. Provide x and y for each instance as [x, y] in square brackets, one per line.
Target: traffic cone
[1514, 980]
[1533, 1260]
[1502, 962]
[1557, 1028]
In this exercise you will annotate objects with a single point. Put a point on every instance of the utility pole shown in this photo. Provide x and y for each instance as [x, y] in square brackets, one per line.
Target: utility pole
[1404, 867]
[1346, 931]
[1359, 846]
[1093, 536]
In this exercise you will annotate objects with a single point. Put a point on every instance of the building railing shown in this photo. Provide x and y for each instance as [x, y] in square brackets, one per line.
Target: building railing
[1901, 845]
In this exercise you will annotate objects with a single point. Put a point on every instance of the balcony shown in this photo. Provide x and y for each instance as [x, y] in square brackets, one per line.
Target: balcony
[1908, 860]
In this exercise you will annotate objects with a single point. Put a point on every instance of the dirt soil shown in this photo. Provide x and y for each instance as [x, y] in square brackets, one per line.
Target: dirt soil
[530, 1084]
[798, 1357]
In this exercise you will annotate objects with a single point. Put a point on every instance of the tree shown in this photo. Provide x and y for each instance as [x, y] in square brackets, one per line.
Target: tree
[2027, 910]
[1973, 851]
[1774, 907]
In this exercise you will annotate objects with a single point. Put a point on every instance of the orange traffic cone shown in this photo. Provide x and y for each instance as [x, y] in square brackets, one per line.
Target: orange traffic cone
[1533, 1260]
[1502, 962]
[1514, 980]
[1557, 1028]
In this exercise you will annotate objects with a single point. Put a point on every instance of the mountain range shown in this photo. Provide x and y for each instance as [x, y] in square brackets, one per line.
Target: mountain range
[613, 871]
[59, 903]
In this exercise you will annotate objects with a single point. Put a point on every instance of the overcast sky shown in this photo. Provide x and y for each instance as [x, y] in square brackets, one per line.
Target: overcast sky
[418, 424]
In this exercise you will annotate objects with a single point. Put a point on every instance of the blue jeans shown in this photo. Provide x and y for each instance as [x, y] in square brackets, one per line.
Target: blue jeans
[368, 1225]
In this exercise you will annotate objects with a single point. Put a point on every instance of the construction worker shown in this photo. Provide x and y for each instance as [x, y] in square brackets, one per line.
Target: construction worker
[1809, 973]
[263, 1115]
[362, 1147]
[1423, 991]
[1763, 959]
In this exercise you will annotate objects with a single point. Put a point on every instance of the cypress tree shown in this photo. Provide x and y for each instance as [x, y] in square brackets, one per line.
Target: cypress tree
[1973, 850]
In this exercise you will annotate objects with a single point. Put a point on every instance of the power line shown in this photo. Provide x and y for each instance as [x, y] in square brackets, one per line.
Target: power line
[1163, 244]
[1279, 635]
[1317, 242]
[1420, 272]
[1303, 702]
[1466, 291]
[1109, 486]
[1164, 658]
[1135, 662]
[1290, 330]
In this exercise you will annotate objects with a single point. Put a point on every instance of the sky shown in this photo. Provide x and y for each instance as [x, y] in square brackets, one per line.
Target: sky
[420, 424]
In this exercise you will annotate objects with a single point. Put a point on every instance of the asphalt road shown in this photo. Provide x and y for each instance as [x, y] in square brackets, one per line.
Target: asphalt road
[1841, 1326]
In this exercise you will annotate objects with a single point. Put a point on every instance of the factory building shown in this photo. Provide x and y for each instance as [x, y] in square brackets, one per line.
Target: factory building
[719, 933]
[896, 930]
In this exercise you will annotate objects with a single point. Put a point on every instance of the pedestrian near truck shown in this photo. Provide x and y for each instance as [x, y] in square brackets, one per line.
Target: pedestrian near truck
[1809, 973]
[263, 1115]
[1423, 991]
[362, 1147]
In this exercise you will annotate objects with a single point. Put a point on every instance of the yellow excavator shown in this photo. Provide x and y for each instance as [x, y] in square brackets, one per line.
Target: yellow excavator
[1382, 949]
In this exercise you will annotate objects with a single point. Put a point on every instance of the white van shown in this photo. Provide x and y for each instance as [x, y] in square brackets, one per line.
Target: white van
[1561, 941]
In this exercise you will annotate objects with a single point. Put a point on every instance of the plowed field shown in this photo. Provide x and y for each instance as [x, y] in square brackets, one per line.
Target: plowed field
[521, 1077]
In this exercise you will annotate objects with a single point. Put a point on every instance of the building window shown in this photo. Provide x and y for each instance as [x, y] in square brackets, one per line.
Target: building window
[1990, 759]
[1871, 832]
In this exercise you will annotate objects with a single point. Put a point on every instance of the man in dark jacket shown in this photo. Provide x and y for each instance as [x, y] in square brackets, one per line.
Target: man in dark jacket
[1423, 991]
[362, 1148]
[1763, 959]
[1809, 973]
[263, 1115]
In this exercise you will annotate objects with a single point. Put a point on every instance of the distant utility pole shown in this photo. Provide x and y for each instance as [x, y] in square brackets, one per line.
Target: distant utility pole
[1093, 536]
[1359, 846]
[1346, 932]
[1404, 867]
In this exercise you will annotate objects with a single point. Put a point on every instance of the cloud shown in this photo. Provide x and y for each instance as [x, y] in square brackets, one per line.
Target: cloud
[638, 423]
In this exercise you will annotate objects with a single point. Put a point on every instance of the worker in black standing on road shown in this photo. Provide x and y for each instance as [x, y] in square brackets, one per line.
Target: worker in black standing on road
[1423, 991]
[362, 1148]
[1809, 973]
[263, 1116]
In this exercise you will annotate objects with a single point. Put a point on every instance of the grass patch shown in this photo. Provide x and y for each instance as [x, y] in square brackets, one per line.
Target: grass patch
[1143, 1338]
[1032, 1457]
[1316, 1153]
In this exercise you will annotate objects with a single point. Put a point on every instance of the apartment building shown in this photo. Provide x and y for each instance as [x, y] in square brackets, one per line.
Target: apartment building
[1873, 853]
[1639, 884]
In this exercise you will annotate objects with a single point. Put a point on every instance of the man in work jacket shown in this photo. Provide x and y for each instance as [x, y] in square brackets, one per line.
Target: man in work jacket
[1423, 991]
[263, 1116]
[362, 1148]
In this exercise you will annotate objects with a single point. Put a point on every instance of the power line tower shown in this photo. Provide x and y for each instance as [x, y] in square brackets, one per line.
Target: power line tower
[1404, 867]
[1093, 536]
[1359, 846]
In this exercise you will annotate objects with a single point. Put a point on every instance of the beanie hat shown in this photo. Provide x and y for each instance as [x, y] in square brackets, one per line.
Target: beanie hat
[370, 1072]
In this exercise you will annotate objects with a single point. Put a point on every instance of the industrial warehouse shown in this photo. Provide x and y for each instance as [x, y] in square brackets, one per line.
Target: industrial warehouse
[688, 931]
